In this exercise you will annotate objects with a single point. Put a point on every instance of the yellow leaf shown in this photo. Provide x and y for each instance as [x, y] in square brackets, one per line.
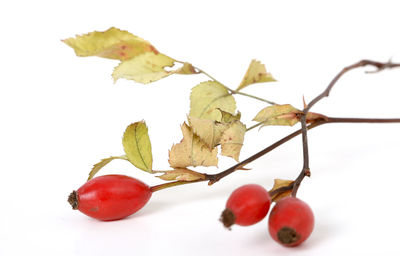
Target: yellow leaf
[207, 97]
[228, 117]
[96, 168]
[191, 151]
[182, 174]
[137, 146]
[256, 73]
[186, 69]
[278, 115]
[278, 183]
[112, 44]
[232, 140]
[209, 131]
[145, 68]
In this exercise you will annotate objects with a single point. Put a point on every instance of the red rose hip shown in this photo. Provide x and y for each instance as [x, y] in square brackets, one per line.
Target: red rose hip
[110, 197]
[246, 206]
[291, 221]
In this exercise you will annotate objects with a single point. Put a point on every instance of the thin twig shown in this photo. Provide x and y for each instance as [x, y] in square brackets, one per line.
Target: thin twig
[306, 168]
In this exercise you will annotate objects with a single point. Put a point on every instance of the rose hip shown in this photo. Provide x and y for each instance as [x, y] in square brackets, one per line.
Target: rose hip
[246, 206]
[110, 197]
[291, 221]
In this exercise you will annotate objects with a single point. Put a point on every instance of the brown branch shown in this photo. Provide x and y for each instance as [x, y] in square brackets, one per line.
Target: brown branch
[378, 65]
[306, 168]
[213, 178]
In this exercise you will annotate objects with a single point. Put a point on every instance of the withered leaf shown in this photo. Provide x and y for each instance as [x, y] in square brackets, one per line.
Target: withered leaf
[278, 115]
[112, 43]
[209, 131]
[207, 97]
[256, 73]
[232, 140]
[145, 68]
[227, 117]
[191, 151]
[278, 183]
[182, 174]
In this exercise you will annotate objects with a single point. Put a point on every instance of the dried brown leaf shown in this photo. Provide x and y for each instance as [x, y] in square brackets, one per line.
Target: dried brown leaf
[278, 184]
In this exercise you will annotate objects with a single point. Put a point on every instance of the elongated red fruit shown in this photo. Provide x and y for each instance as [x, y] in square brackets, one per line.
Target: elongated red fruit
[246, 206]
[291, 221]
[110, 197]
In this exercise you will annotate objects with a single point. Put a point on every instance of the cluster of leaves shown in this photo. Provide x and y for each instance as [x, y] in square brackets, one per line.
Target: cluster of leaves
[213, 121]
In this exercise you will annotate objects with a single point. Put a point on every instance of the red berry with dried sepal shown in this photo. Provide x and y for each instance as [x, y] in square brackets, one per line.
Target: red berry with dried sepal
[291, 221]
[110, 197]
[246, 206]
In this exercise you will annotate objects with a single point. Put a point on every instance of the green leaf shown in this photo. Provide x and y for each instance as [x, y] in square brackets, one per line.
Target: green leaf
[191, 151]
[145, 68]
[256, 73]
[278, 115]
[232, 140]
[207, 97]
[112, 44]
[96, 168]
[181, 174]
[137, 146]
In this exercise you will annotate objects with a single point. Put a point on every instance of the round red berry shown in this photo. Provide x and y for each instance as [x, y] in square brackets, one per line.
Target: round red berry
[291, 221]
[110, 197]
[246, 206]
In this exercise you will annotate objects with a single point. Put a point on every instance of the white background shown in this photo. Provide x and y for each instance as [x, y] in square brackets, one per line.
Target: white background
[60, 114]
